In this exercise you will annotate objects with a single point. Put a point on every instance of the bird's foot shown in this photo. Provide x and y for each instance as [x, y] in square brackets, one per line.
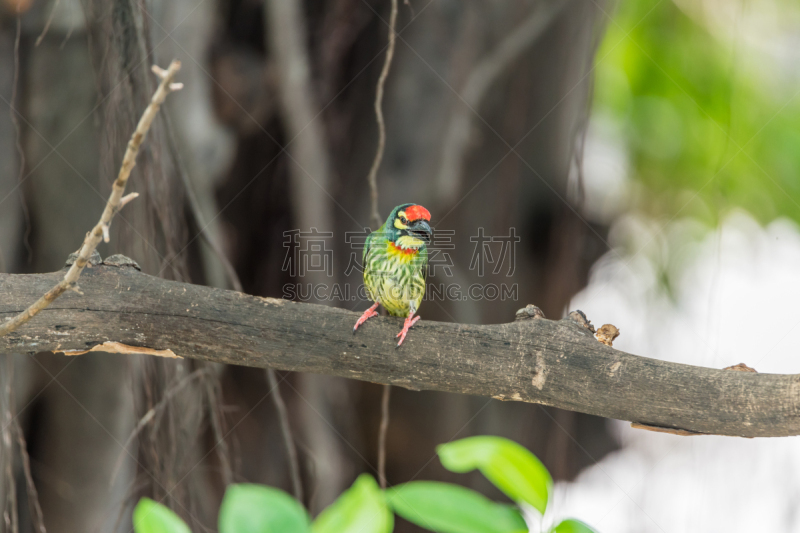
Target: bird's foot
[369, 313]
[406, 326]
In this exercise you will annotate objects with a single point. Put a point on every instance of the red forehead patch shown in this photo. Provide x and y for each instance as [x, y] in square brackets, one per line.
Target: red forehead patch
[417, 212]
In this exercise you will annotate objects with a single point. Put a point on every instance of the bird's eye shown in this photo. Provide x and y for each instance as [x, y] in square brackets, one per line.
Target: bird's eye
[404, 220]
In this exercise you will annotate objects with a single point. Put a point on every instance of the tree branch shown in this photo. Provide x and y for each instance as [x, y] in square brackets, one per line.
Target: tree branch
[113, 205]
[557, 363]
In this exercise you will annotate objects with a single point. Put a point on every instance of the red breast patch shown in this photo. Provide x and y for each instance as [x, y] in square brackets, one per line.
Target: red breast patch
[407, 251]
[417, 212]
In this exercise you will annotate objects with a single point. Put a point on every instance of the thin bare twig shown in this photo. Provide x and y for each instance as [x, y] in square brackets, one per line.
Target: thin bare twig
[194, 206]
[212, 392]
[169, 394]
[70, 281]
[47, 24]
[384, 427]
[33, 494]
[291, 449]
[12, 110]
[376, 219]
[10, 510]
[372, 178]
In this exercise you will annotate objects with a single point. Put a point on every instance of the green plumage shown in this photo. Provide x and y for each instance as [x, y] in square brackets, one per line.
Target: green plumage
[394, 277]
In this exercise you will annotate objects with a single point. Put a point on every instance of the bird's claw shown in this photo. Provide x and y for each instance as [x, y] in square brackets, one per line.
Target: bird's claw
[406, 326]
[369, 313]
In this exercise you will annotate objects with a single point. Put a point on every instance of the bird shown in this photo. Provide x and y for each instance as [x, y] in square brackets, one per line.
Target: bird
[395, 264]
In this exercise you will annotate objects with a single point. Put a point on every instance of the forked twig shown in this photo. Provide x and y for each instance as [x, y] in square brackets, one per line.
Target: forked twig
[114, 204]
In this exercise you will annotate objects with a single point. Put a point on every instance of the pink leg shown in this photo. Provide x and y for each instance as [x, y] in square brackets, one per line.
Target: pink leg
[406, 326]
[369, 313]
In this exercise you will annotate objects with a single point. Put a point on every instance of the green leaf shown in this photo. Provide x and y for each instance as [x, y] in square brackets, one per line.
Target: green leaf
[259, 509]
[152, 517]
[511, 467]
[360, 509]
[572, 526]
[447, 508]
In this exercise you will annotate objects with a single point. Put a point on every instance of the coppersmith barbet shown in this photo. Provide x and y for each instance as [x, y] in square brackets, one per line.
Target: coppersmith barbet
[396, 265]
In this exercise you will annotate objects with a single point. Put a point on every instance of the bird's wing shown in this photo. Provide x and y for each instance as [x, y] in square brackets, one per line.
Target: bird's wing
[367, 245]
[424, 264]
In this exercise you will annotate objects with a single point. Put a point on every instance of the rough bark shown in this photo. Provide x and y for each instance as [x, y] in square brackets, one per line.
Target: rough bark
[534, 360]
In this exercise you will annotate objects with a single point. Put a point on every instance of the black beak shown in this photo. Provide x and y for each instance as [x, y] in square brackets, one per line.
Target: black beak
[421, 230]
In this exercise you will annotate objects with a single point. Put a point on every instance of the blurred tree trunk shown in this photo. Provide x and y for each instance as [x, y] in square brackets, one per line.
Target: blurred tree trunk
[84, 87]
[539, 102]
[181, 456]
[12, 217]
[70, 424]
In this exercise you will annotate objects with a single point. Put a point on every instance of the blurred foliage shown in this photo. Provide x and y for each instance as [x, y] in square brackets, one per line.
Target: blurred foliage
[572, 526]
[703, 96]
[446, 508]
[509, 466]
[153, 517]
[365, 508]
[362, 508]
[249, 508]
